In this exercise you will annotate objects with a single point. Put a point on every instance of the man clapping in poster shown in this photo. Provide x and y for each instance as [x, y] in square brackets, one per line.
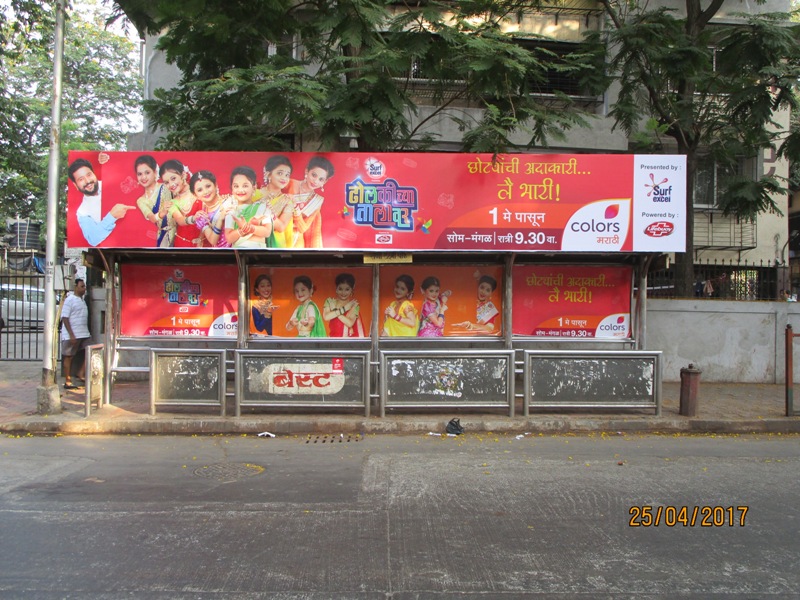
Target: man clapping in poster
[94, 228]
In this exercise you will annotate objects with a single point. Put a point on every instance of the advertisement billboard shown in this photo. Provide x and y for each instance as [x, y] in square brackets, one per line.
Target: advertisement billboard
[186, 300]
[572, 301]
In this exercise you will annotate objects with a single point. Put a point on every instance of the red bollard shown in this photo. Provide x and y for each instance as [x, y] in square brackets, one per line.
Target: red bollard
[690, 383]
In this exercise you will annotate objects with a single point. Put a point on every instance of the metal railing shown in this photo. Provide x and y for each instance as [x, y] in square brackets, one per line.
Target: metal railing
[408, 380]
[722, 280]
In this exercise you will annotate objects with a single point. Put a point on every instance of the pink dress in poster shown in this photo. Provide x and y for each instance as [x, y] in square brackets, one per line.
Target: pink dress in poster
[428, 328]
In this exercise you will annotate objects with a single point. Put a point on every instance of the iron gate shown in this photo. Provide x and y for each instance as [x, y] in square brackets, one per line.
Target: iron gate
[22, 310]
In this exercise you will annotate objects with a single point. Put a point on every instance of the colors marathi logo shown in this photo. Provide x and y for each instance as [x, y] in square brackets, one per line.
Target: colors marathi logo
[601, 225]
[614, 326]
[659, 229]
[226, 325]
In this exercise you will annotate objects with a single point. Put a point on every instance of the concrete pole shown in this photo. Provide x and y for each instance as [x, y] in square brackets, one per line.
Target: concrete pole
[641, 303]
[48, 397]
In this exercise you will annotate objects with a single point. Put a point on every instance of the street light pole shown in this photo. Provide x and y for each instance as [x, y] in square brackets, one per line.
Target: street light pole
[48, 396]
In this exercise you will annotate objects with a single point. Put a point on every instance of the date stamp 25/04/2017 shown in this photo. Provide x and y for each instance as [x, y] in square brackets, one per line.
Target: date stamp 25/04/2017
[687, 516]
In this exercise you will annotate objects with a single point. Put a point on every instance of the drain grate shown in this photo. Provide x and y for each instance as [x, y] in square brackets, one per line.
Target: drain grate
[229, 472]
[333, 439]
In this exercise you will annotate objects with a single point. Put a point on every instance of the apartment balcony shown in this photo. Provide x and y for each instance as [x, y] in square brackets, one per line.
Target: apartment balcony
[715, 231]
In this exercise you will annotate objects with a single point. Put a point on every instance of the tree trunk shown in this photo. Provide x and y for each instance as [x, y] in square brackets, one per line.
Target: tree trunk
[684, 261]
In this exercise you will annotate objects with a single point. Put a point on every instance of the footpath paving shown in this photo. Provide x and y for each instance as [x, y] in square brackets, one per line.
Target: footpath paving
[722, 408]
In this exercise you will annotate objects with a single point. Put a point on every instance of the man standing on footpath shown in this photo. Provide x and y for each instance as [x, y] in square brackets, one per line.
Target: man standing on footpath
[74, 331]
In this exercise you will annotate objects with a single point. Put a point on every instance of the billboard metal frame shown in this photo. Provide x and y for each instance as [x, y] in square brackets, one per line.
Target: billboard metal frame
[653, 402]
[433, 401]
[157, 354]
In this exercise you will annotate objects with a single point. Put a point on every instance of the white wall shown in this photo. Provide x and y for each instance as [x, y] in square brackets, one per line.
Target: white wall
[729, 341]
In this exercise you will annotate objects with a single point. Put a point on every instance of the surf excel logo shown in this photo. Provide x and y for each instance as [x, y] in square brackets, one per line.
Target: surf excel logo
[601, 225]
[381, 203]
[659, 192]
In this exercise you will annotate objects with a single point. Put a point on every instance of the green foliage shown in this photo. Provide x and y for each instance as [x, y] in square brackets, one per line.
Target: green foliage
[22, 28]
[791, 146]
[746, 198]
[704, 86]
[101, 89]
[714, 89]
[238, 93]
[650, 138]
[360, 54]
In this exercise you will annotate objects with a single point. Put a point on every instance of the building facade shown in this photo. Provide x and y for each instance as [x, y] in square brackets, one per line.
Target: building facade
[719, 239]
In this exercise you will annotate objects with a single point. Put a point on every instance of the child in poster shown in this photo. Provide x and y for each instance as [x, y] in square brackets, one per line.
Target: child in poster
[306, 317]
[184, 204]
[277, 173]
[262, 306]
[210, 219]
[401, 318]
[433, 308]
[308, 199]
[343, 312]
[251, 224]
[156, 201]
[485, 312]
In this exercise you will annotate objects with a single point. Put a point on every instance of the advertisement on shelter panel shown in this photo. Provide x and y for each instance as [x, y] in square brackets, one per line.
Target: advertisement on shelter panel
[310, 302]
[187, 300]
[572, 301]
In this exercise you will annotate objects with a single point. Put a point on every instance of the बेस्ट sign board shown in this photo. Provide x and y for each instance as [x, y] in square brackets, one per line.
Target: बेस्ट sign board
[302, 378]
[379, 201]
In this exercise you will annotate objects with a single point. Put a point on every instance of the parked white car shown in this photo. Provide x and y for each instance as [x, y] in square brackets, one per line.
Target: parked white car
[22, 305]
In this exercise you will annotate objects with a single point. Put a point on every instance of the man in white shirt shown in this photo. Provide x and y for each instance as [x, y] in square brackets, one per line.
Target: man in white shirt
[75, 334]
[95, 229]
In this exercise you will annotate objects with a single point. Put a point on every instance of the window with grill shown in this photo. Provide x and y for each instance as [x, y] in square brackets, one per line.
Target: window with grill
[287, 48]
[434, 61]
[563, 80]
[712, 178]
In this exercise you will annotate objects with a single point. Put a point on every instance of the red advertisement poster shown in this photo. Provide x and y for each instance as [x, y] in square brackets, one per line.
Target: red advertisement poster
[572, 301]
[362, 201]
[310, 302]
[188, 300]
[440, 301]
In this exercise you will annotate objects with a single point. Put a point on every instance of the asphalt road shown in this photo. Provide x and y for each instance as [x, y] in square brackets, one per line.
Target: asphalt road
[476, 517]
